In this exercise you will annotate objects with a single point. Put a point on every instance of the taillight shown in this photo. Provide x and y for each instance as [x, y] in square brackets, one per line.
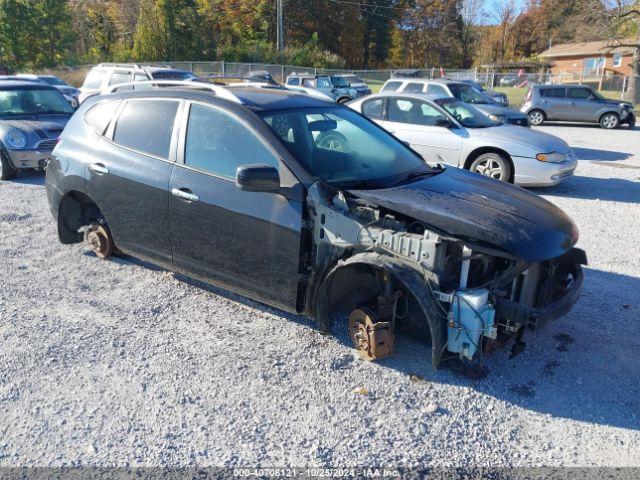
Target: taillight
[528, 97]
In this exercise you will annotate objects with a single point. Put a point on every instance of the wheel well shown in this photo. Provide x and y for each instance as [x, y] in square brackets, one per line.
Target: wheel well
[76, 209]
[369, 281]
[607, 113]
[481, 151]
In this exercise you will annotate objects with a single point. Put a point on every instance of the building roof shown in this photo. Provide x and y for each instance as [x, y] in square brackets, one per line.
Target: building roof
[599, 47]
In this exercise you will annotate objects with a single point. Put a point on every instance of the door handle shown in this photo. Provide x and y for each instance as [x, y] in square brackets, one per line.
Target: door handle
[185, 193]
[98, 168]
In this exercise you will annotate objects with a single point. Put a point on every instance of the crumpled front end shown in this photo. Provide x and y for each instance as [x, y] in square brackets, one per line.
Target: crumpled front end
[387, 271]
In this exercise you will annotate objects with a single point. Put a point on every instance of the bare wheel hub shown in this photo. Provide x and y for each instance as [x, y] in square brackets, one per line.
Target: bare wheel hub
[373, 340]
[99, 240]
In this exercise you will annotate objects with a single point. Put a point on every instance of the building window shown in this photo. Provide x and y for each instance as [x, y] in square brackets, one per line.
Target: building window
[593, 66]
[617, 59]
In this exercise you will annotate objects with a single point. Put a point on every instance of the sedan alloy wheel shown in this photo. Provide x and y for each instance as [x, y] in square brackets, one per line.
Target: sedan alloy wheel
[492, 165]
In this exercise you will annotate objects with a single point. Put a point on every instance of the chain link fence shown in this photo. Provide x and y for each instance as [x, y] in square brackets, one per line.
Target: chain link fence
[513, 83]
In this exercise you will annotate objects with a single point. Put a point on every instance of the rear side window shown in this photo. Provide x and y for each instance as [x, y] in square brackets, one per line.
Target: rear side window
[373, 108]
[146, 126]
[435, 89]
[391, 86]
[413, 88]
[293, 81]
[219, 143]
[99, 116]
[119, 77]
[553, 92]
[140, 77]
[94, 78]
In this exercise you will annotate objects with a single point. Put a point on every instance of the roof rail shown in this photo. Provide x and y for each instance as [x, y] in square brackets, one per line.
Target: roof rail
[158, 65]
[123, 65]
[219, 91]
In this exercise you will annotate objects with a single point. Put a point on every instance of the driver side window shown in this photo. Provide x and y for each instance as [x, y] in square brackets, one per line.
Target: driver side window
[219, 143]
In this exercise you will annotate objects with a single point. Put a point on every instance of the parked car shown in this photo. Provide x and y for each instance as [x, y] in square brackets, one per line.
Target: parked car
[262, 76]
[334, 86]
[457, 134]
[67, 90]
[351, 81]
[108, 74]
[498, 97]
[509, 81]
[32, 117]
[575, 103]
[438, 88]
[309, 206]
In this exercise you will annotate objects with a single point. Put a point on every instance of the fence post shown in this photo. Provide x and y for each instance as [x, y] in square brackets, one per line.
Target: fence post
[282, 69]
[223, 69]
[624, 87]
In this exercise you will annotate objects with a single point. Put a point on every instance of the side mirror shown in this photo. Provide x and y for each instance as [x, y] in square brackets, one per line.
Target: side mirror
[257, 178]
[442, 122]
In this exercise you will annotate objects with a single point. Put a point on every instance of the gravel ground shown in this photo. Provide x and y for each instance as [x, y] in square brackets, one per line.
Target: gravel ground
[122, 363]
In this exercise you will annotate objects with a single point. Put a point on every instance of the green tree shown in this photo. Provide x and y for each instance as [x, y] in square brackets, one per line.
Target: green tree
[14, 15]
[53, 33]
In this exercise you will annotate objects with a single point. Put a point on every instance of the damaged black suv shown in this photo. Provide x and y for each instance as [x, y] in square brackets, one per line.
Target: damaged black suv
[310, 207]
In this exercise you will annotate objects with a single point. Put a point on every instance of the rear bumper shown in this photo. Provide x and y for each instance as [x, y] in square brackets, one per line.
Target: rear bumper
[569, 264]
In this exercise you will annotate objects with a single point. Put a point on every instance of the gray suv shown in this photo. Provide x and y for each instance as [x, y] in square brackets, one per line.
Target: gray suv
[575, 103]
[338, 87]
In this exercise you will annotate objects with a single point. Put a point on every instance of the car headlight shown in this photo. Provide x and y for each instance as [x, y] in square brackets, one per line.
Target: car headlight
[553, 157]
[498, 118]
[16, 139]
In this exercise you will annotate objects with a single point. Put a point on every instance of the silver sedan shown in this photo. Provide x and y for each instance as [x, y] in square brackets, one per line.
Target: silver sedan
[455, 133]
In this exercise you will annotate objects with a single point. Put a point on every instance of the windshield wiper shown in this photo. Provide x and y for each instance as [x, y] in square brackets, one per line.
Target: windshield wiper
[424, 173]
[51, 112]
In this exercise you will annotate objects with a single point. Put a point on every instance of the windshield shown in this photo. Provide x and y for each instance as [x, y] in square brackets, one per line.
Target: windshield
[54, 81]
[32, 102]
[344, 149]
[467, 93]
[465, 114]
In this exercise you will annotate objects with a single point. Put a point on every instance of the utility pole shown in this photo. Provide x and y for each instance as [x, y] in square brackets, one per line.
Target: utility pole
[280, 27]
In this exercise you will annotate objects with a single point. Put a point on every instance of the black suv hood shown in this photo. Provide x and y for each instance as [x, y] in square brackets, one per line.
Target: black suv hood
[480, 210]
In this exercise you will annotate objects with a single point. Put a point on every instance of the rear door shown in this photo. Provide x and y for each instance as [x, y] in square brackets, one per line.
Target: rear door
[246, 241]
[129, 176]
[554, 103]
[414, 121]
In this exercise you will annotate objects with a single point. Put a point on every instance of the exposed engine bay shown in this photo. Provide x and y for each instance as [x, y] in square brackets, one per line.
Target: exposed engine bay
[387, 271]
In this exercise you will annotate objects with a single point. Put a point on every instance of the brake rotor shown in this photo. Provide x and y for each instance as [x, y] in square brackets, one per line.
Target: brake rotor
[373, 340]
[99, 240]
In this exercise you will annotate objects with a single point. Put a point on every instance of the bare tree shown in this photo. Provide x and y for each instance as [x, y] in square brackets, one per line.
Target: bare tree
[622, 30]
[471, 12]
[504, 13]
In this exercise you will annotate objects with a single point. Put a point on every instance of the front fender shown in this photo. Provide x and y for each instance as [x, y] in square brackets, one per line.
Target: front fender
[408, 277]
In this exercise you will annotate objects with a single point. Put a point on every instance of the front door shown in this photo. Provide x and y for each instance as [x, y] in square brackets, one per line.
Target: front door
[583, 106]
[415, 122]
[246, 241]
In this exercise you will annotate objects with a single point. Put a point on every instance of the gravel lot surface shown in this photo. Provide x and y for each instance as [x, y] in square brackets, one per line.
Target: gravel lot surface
[122, 363]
